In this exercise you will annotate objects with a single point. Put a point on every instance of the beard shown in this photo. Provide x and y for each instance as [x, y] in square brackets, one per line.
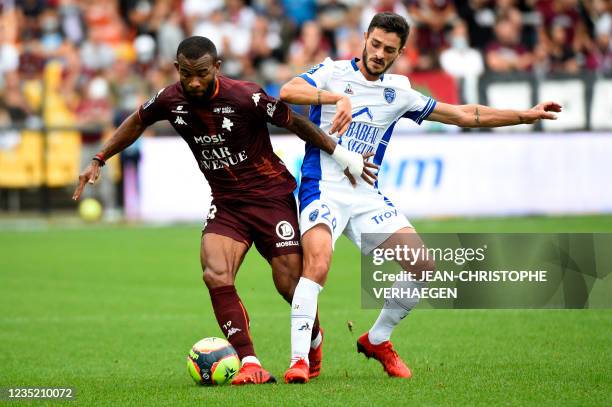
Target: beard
[365, 58]
[204, 97]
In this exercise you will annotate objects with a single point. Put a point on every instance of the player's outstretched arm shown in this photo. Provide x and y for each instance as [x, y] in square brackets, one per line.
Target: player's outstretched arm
[484, 116]
[356, 165]
[126, 134]
[299, 92]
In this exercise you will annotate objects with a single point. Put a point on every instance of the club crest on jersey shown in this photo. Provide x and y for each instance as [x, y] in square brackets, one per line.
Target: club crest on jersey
[313, 215]
[227, 124]
[389, 95]
[348, 90]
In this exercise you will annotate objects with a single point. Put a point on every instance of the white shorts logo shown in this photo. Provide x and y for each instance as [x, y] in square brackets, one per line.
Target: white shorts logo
[284, 230]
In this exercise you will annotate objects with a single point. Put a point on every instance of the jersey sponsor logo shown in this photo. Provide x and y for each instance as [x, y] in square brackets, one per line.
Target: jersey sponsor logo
[378, 219]
[179, 120]
[221, 157]
[348, 90]
[287, 243]
[314, 69]
[209, 139]
[361, 137]
[389, 95]
[179, 110]
[270, 108]
[224, 110]
[313, 215]
[227, 124]
[256, 97]
[284, 230]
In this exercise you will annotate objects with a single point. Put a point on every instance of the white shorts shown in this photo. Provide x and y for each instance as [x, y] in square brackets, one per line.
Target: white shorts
[349, 210]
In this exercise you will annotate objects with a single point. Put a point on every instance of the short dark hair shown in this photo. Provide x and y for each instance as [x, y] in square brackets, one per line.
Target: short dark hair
[391, 23]
[196, 47]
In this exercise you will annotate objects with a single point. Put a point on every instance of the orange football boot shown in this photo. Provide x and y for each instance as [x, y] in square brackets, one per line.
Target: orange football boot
[252, 373]
[386, 355]
[298, 373]
[315, 358]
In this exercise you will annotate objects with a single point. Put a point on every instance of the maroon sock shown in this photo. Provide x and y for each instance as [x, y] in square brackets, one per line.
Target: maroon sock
[315, 327]
[233, 319]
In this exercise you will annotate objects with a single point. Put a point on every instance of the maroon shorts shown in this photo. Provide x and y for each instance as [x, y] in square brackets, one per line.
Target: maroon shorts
[270, 223]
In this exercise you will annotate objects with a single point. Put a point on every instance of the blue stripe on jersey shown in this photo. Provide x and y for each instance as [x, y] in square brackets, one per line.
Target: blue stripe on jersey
[308, 79]
[315, 114]
[382, 147]
[364, 110]
[354, 63]
[309, 191]
[420, 115]
[311, 166]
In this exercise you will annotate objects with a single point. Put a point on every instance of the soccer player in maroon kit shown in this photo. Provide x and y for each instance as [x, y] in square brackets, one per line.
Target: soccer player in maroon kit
[224, 123]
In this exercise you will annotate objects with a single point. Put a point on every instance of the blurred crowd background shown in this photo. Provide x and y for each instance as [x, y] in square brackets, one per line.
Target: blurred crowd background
[79, 67]
[112, 54]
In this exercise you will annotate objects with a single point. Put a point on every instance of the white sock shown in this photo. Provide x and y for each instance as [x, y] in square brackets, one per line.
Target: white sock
[314, 344]
[250, 359]
[392, 313]
[303, 313]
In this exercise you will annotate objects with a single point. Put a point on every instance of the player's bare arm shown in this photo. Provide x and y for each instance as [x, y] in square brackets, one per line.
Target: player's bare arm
[484, 116]
[299, 92]
[355, 164]
[126, 134]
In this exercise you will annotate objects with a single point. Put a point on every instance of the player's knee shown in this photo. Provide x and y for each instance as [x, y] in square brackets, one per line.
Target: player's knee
[287, 271]
[214, 277]
[316, 266]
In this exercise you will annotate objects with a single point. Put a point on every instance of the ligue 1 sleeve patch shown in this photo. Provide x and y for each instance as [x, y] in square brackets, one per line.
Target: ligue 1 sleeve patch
[389, 95]
[150, 101]
[314, 69]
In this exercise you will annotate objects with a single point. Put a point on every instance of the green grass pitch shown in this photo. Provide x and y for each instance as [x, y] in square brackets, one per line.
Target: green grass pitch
[113, 311]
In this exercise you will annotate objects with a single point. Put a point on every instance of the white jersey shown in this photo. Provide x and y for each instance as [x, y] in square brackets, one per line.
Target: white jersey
[326, 197]
[376, 108]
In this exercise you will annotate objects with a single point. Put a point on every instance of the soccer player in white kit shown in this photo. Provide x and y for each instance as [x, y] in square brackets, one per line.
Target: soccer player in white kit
[359, 104]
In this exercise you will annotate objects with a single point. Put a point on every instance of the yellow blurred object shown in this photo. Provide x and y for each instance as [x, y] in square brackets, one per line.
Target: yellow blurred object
[63, 157]
[90, 210]
[124, 50]
[22, 166]
[33, 91]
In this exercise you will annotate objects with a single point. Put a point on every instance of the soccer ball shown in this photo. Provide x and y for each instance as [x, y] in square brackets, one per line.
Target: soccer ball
[212, 361]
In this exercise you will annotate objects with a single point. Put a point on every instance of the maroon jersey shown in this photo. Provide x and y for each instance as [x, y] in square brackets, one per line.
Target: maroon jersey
[228, 137]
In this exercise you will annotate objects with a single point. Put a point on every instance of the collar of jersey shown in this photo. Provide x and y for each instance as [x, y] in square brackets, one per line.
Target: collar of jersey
[356, 68]
[217, 86]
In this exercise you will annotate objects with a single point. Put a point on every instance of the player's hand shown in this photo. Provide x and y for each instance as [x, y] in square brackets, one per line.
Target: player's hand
[342, 119]
[542, 111]
[369, 173]
[88, 176]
